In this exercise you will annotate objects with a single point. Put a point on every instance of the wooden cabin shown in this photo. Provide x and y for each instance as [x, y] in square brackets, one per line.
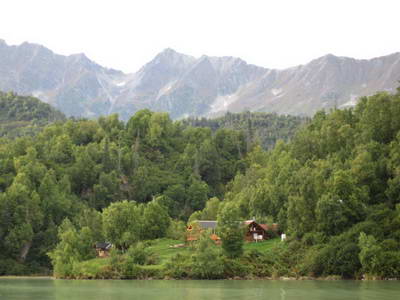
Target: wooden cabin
[255, 232]
[103, 249]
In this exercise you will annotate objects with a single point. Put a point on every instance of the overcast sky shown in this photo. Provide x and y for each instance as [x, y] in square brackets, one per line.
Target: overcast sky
[275, 34]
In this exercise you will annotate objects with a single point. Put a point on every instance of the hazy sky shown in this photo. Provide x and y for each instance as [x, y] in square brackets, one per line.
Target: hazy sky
[275, 34]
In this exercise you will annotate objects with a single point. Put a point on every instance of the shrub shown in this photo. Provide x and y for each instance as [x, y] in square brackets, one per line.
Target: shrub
[178, 267]
[337, 258]
[12, 267]
[237, 267]
[206, 262]
[389, 264]
[176, 230]
[137, 254]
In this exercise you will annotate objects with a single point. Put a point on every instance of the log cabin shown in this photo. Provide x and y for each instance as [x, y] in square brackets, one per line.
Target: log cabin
[255, 232]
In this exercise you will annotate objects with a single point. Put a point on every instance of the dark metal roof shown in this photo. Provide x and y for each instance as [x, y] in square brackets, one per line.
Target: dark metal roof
[208, 224]
[104, 246]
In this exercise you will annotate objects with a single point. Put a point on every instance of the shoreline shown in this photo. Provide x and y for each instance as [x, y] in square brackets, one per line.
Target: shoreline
[282, 278]
[27, 277]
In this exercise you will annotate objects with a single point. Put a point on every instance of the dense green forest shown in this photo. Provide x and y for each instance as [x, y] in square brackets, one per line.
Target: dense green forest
[24, 115]
[334, 189]
[266, 128]
[75, 168]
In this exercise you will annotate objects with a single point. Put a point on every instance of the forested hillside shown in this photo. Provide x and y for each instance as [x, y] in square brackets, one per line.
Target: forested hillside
[266, 128]
[333, 189]
[21, 115]
[73, 169]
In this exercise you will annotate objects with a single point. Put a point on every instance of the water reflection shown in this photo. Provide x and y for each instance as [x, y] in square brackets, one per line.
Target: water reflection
[12, 289]
[283, 293]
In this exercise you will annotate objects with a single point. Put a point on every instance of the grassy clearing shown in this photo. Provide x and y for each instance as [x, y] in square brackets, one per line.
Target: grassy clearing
[262, 246]
[95, 268]
[102, 268]
[162, 248]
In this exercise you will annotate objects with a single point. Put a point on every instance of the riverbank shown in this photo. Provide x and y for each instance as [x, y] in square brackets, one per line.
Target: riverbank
[268, 260]
[283, 278]
[161, 259]
[27, 277]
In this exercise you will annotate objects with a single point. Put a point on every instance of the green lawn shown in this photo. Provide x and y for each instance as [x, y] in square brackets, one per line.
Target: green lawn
[262, 246]
[96, 268]
[165, 252]
[162, 248]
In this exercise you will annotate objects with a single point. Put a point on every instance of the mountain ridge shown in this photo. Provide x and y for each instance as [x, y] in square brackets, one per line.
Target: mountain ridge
[183, 85]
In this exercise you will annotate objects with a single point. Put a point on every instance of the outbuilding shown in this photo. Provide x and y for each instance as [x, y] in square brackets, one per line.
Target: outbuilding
[103, 249]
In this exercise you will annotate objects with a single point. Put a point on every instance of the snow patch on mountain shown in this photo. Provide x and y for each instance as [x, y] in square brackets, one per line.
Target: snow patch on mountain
[276, 92]
[222, 103]
[122, 83]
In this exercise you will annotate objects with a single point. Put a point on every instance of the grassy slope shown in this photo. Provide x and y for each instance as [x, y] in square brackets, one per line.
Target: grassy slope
[162, 247]
[262, 246]
[165, 253]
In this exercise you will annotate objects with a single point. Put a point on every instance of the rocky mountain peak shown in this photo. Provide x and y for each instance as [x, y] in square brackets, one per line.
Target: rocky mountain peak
[171, 57]
[184, 85]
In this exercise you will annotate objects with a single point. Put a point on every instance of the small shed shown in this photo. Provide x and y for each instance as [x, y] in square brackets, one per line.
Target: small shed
[103, 249]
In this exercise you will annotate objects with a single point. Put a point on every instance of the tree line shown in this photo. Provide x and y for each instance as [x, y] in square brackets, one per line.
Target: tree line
[71, 166]
[333, 189]
[265, 128]
[25, 115]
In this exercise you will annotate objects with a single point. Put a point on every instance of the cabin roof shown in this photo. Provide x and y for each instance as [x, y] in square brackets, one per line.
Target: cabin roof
[248, 222]
[208, 224]
[104, 246]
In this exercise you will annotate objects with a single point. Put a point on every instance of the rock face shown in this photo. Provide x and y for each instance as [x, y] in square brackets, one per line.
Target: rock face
[73, 84]
[186, 86]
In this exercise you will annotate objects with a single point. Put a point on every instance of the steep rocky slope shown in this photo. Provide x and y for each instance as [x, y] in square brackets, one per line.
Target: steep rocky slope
[187, 86]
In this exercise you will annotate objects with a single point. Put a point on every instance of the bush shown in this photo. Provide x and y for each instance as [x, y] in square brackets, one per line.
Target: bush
[131, 271]
[389, 264]
[137, 254]
[12, 267]
[237, 268]
[176, 230]
[93, 269]
[178, 267]
[314, 238]
[337, 258]
[206, 262]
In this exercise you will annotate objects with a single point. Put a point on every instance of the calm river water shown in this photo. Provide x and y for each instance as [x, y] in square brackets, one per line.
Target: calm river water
[46, 289]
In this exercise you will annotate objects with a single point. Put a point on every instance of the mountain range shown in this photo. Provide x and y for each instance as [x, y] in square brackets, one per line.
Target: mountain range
[183, 85]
